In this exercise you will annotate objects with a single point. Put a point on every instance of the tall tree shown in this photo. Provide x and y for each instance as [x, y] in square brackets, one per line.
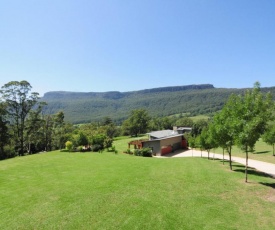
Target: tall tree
[59, 130]
[20, 101]
[160, 123]
[47, 130]
[206, 140]
[34, 130]
[252, 113]
[198, 127]
[138, 122]
[4, 136]
[225, 126]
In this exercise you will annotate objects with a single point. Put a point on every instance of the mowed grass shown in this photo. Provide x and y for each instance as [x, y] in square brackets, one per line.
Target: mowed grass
[60, 190]
[263, 152]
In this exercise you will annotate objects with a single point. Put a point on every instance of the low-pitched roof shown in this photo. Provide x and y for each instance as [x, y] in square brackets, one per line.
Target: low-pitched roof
[164, 133]
[184, 128]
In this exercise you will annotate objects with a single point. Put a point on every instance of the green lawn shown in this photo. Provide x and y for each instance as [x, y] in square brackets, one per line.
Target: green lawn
[263, 152]
[60, 190]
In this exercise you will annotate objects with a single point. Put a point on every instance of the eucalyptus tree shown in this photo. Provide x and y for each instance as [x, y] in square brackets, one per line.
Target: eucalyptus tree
[19, 101]
[47, 130]
[59, 130]
[33, 131]
[4, 135]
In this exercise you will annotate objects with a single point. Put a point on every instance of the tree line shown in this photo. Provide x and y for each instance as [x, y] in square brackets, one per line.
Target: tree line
[24, 129]
[242, 121]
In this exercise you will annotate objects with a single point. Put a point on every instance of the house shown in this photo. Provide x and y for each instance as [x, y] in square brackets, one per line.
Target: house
[164, 142]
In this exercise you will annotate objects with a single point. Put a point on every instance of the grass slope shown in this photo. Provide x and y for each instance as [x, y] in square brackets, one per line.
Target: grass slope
[106, 191]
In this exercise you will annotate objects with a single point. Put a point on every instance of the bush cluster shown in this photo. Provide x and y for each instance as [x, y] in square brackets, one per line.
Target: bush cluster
[144, 152]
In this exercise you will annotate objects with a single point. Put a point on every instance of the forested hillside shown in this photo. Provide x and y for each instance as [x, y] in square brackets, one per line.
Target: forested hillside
[87, 107]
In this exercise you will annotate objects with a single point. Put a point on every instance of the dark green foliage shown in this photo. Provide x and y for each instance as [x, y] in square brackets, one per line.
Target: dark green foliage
[198, 126]
[206, 140]
[137, 123]
[185, 121]
[160, 102]
[107, 121]
[269, 136]
[107, 142]
[82, 139]
[144, 152]
[96, 148]
[98, 141]
[4, 136]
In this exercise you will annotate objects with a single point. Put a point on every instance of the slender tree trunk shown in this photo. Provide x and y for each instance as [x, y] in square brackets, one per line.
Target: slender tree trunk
[230, 160]
[223, 156]
[273, 150]
[213, 154]
[21, 143]
[246, 164]
[208, 153]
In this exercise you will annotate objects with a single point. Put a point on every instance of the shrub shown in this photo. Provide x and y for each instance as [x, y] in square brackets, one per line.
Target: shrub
[69, 146]
[145, 152]
[98, 140]
[9, 152]
[79, 148]
[96, 148]
[137, 152]
[108, 143]
[128, 151]
[113, 149]
[81, 139]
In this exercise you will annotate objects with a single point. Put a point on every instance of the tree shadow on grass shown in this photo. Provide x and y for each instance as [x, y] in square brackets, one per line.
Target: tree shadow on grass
[252, 171]
[234, 164]
[271, 185]
[262, 152]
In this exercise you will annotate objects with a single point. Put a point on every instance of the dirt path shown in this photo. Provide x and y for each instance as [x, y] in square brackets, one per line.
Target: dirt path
[267, 168]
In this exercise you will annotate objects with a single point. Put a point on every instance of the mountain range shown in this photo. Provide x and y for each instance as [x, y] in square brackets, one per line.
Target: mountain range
[84, 107]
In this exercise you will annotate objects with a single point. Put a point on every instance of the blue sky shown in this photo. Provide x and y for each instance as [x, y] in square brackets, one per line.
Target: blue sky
[125, 45]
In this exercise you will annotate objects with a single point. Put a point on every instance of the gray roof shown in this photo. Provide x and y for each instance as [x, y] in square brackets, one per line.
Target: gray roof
[164, 133]
[184, 128]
